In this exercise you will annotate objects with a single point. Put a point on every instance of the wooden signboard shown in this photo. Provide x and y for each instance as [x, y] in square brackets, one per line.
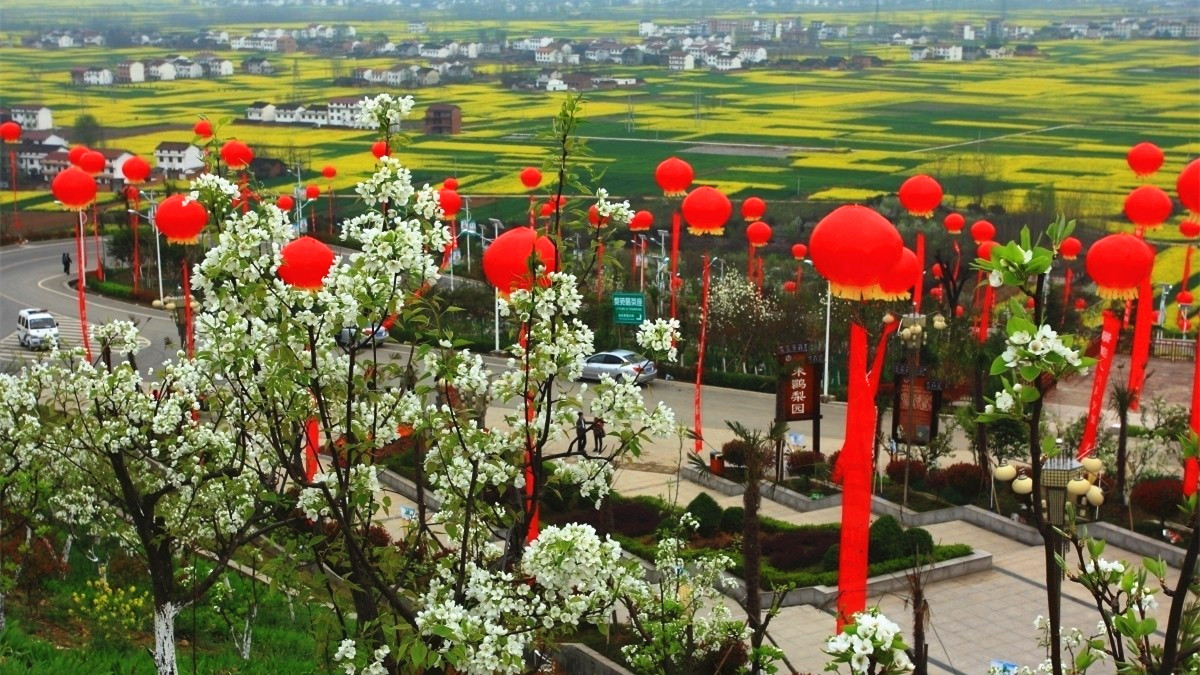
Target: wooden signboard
[915, 405]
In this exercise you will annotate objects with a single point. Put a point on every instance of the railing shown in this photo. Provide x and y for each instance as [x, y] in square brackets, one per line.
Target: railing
[1173, 349]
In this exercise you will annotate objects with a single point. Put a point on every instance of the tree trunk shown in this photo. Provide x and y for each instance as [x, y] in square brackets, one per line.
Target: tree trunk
[981, 439]
[752, 549]
[1122, 452]
[66, 554]
[243, 640]
[164, 638]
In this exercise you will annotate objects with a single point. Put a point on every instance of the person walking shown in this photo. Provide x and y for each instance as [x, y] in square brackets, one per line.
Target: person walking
[66, 261]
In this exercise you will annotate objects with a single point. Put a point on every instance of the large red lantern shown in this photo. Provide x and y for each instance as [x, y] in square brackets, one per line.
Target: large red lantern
[1184, 298]
[203, 129]
[706, 209]
[74, 188]
[954, 222]
[1148, 206]
[985, 249]
[1070, 248]
[312, 191]
[982, 231]
[306, 263]
[506, 261]
[758, 234]
[799, 251]
[921, 195]
[1118, 264]
[1187, 186]
[180, 219]
[641, 221]
[330, 171]
[450, 202]
[10, 132]
[93, 162]
[854, 247]
[753, 209]
[531, 177]
[380, 149]
[789, 287]
[285, 203]
[1144, 158]
[674, 176]
[1190, 228]
[450, 184]
[136, 170]
[237, 155]
[76, 153]
[895, 285]
[594, 218]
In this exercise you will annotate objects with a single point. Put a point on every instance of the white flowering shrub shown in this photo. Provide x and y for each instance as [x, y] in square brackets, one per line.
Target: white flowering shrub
[871, 644]
[660, 336]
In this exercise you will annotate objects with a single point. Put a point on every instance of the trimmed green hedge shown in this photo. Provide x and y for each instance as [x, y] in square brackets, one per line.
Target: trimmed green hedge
[716, 378]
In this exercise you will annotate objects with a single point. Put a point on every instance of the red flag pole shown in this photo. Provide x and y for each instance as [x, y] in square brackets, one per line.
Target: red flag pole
[1191, 470]
[599, 269]
[81, 287]
[12, 158]
[698, 395]
[1141, 341]
[133, 223]
[919, 284]
[312, 435]
[674, 260]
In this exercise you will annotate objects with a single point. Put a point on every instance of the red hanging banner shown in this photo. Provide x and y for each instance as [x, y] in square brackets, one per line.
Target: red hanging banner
[312, 435]
[1191, 469]
[1141, 341]
[985, 313]
[697, 396]
[187, 312]
[81, 287]
[133, 223]
[12, 158]
[919, 282]
[1108, 348]
[674, 260]
[599, 268]
[1067, 294]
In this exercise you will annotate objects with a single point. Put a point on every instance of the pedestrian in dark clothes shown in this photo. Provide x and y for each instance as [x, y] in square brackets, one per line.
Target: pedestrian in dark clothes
[66, 261]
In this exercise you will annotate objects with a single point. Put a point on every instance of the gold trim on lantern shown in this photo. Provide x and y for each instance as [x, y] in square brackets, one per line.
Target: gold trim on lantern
[700, 232]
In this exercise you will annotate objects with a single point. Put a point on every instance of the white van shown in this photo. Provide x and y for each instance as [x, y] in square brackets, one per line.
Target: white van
[35, 328]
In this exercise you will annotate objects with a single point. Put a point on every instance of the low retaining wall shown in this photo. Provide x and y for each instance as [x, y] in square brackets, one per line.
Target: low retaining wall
[406, 487]
[1135, 542]
[776, 493]
[580, 659]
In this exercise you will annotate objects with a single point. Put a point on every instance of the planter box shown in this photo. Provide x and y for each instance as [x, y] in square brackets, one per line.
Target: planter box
[580, 659]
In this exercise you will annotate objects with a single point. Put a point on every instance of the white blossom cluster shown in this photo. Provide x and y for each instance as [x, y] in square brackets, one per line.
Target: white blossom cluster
[871, 639]
[119, 336]
[213, 190]
[1027, 354]
[735, 305]
[660, 336]
[612, 213]
[593, 476]
[1025, 349]
[362, 483]
[391, 184]
[346, 658]
[383, 111]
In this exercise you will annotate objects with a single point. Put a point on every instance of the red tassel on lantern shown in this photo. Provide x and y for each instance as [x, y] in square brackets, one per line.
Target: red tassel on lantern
[1141, 341]
[697, 402]
[312, 435]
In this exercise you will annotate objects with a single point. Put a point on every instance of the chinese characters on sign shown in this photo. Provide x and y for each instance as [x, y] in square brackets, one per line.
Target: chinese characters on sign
[916, 404]
[798, 396]
[629, 308]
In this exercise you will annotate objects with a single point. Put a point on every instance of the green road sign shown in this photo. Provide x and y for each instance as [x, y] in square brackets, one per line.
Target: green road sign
[629, 308]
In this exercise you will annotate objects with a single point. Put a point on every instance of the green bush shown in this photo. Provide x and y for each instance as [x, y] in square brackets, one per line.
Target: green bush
[733, 520]
[707, 512]
[744, 381]
[829, 562]
[886, 540]
[734, 452]
[918, 541]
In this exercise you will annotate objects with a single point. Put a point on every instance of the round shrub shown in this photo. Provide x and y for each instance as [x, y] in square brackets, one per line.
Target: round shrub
[962, 482]
[733, 520]
[707, 512]
[1158, 497]
[886, 540]
[804, 463]
[916, 471]
[735, 452]
[918, 541]
[798, 549]
[831, 559]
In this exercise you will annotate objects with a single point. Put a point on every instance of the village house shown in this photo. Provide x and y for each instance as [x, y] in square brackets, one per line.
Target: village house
[443, 118]
[752, 54]
[31, 116]
[213, 65]
[438, 50]
[680, 60]
[724, 61]
[178, 160]
[160, 69]
[343, 111]
[129, 72]
[288, 113]
[426, 77]
[92, 77]
[398, 75]
[261, 111]
[316, 115]
[186, 69]
[257, 65]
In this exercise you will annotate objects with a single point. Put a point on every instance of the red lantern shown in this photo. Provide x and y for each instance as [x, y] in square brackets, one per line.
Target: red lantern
[93, 162]
[180, 219]
[1118, 263]
[799, 251]
[1080, 304]
[1070, 248]
[330, 171]
[641, 221]
[954, 223]
[789, 287]
[203, 129]
[594, 217]
[1190, 228]
[237, 155]
[674, 176]
[1148, 206]
[854, 247]
[753, 209]
[1187, 186]
[312, 191]
[921, 195]
[506, 261]
[74, 188]
[936, 271]
[285, 203]
[758, 234]
[76, 153]
[1029, 303]
[985, 250]
[450, 184]
[531, 178]
[10, 132]
[380, 149]
[937, 293]
[450, 202]
[958, 311]
[706, 209]
[1184, 298]
[677, 283]
[896, 283]
[983, 231]
[136, 170]
[1144, 158]
[306, 263]
[547, 209]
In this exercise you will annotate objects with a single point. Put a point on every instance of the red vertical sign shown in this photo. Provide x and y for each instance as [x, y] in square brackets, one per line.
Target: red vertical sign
[1108, 348]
